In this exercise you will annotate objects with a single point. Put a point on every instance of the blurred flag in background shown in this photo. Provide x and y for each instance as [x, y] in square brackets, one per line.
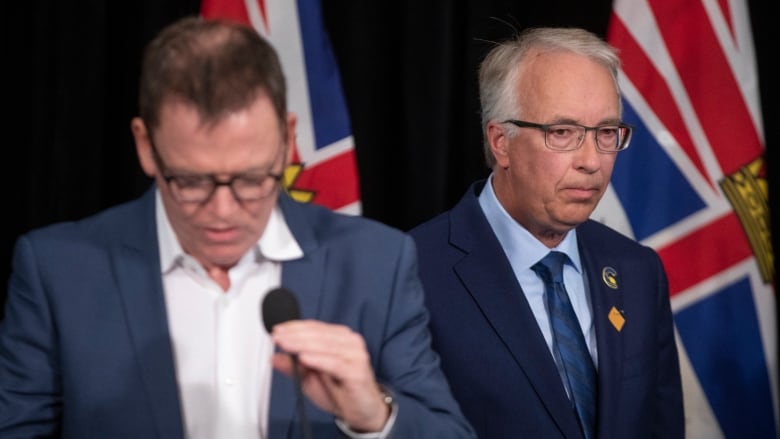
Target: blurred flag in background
[693, 186]
[325, 168]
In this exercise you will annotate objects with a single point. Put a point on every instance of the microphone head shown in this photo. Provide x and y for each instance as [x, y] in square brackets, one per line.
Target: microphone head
[279, 305]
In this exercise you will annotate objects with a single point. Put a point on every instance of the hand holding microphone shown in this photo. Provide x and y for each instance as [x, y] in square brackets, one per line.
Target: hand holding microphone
[330, 360]
[279, 306]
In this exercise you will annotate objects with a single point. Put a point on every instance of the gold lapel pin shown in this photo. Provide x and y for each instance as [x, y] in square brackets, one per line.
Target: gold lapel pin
[616, 319]
[609, 276]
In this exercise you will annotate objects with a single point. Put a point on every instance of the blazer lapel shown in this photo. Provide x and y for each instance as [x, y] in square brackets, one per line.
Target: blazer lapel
[304, 278]
[604, 283]
[135, 261]
[488, 276]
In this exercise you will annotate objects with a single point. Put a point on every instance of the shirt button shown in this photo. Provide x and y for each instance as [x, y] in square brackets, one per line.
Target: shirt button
[228, 381]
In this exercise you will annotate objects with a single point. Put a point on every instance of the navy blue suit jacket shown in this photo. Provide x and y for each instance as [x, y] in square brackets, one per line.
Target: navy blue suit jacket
[85, 350]
[496, 359]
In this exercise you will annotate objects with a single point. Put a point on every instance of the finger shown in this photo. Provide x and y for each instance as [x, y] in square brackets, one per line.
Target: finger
[338, 367]
[283, 363]
[318, 337]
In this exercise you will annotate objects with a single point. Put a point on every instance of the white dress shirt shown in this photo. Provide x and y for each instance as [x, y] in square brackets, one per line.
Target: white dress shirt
[221, 349]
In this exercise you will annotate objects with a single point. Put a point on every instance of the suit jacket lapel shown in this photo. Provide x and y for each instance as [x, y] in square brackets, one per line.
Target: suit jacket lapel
[601, 269]
[488, 276]
[304, 278]
[135, 260]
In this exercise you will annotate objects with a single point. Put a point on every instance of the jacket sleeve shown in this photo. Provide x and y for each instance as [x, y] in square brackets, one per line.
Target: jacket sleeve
[410, 367]
[30, 389]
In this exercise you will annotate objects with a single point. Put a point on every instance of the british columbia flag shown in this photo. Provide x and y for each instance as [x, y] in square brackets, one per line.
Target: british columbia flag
[324, 169]
[693, 186]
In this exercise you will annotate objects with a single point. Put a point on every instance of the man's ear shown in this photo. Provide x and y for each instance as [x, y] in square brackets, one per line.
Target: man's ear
[143, 146]
[498, 139]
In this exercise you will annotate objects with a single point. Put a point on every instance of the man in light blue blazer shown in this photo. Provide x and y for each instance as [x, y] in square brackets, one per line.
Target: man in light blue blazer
[552, 130]
[144, 320]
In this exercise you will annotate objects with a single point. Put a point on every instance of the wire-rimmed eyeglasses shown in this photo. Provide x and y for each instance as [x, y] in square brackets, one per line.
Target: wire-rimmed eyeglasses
[570, 136]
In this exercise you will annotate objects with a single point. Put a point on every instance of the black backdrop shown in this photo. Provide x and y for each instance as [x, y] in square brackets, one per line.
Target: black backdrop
[69, 72]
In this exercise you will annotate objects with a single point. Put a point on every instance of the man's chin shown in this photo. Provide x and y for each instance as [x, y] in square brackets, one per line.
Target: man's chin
[578, 213]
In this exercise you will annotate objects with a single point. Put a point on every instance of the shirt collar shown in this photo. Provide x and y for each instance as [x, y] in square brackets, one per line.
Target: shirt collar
[520, 246]
[277, 242]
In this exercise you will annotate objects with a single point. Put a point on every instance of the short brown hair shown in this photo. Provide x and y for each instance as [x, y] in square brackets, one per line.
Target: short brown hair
[216, 66]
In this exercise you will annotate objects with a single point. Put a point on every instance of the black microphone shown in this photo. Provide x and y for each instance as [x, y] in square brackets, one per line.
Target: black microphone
[279, 306]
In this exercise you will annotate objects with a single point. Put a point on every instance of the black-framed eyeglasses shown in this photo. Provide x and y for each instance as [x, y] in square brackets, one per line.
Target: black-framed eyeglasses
[570, 136]
[199, 188]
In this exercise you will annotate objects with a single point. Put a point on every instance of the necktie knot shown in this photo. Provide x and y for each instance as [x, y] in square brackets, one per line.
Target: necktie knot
[550, 267]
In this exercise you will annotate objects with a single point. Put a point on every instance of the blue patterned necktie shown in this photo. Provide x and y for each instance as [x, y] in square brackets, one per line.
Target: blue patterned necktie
[572, 357]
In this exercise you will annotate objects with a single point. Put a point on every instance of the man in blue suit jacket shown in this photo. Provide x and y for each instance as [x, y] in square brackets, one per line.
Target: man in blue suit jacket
[552, 130]
[143, 321]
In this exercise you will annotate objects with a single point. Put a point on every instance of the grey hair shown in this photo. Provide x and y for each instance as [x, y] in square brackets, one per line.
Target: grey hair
[499, 71]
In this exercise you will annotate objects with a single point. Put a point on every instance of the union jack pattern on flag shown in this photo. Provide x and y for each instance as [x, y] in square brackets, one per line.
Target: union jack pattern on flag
[324, 169]
[693, 186]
